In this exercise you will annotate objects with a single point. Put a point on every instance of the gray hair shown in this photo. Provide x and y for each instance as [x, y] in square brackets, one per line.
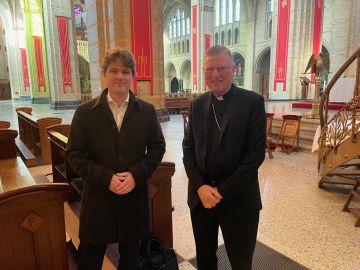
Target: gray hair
[219, 49]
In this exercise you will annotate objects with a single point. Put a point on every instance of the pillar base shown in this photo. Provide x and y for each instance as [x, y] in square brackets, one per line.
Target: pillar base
[40, 100]
[64, 105]
[25, 98]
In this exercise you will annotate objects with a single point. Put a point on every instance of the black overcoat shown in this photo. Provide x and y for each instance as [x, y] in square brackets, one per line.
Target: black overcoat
[240, 150]
[96, 150]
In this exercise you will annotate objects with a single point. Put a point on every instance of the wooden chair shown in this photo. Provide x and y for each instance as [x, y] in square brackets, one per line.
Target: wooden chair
[269, 145]
[7, 143]
[185, 115]
[288, 138]
[4, 124]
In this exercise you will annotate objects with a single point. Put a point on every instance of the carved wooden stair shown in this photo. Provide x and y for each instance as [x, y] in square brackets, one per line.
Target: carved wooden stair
[339, 143]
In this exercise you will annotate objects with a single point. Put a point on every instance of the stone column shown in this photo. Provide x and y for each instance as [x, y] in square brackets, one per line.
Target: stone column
[299, 46]
[341, 26]
[62, 96]
[205, 27]
[109, 25]
[13, 36]
[40, 91]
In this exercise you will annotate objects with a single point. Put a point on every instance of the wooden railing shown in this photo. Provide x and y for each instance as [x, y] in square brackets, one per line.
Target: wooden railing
[343, 124]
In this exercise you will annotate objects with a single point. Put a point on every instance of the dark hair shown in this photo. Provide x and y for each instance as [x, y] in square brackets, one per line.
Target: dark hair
[117, 53]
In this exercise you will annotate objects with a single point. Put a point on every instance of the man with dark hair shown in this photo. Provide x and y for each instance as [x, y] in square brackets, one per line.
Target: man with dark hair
[115, 143]
[224, 145]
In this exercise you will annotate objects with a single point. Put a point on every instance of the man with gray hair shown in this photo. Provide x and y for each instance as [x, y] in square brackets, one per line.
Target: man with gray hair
[223, 146]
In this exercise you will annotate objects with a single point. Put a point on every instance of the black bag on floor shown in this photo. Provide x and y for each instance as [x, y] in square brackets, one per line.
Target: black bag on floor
[154, 256]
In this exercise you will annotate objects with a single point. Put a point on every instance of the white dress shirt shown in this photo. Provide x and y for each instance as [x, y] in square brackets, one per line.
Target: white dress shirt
[118, 111]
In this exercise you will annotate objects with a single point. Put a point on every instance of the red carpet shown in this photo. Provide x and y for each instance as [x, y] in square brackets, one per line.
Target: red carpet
[308, 105]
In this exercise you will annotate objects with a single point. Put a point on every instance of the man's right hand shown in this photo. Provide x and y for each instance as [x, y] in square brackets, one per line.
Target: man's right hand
[209, 196]
[115, 184]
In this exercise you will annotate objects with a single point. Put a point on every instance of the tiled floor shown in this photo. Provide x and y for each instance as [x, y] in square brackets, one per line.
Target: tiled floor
[298, 219]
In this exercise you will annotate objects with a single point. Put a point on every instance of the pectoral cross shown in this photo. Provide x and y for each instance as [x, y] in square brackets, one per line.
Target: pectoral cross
[284, 3]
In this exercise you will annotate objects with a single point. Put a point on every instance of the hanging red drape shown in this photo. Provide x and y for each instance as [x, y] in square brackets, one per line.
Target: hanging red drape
[24, 68]
[63, 31]
[207, 46]
[318, 18]
[282, 44]
[142, 41]
[39, 63]
[194, 46]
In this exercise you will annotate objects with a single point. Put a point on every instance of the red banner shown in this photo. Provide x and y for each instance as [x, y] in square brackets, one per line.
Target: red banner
[282, 44]
[24, 68]
[194, 46]
[142, 40]
[317, 31]
[207, 42]
[63, 31]
[39, 62]
[207, 46]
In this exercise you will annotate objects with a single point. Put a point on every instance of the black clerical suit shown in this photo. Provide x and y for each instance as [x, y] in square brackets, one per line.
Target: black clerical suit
[224, 145]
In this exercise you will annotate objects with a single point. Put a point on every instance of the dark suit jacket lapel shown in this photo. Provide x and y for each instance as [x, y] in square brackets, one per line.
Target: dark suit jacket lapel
[132, 102]
[103, 103]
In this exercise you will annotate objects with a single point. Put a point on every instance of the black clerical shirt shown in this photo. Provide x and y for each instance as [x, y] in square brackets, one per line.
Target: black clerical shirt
[216, 114]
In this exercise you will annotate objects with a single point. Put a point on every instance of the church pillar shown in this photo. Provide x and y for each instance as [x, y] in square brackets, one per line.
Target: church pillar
[341, 47]
[36, 51]
[62, 58]
[14, 38]
[202, 20]
[118, 23]
[293, 46]
[195, 40]
[355, 37]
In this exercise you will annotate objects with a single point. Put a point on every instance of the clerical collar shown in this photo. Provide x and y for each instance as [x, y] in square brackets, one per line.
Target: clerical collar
[225, 96]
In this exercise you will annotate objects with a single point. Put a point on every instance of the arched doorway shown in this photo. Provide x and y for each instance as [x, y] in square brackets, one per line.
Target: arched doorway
[170, 74]
[174, 85]
[262, 73]
[238, 78]
[185, 75]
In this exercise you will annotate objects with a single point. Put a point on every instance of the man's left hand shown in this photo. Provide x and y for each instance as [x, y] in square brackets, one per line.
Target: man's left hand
[127, 183]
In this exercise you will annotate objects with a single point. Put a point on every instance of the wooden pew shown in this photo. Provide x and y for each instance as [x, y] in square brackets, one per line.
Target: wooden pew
[159, 187]
[62, 172]
[33, 134]
[32, 223]
[176, 105]
[4, 124]
[7, 143]
[27, 110]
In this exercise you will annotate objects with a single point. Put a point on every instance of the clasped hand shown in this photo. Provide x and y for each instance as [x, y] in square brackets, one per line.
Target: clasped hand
[122, 183]
[209, 196]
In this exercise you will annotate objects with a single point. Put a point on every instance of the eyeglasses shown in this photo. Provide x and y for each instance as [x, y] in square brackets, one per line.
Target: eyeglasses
[218, 69]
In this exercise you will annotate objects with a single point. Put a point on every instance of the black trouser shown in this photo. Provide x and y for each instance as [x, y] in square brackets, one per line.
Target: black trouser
[239, 233]
[91, 256]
